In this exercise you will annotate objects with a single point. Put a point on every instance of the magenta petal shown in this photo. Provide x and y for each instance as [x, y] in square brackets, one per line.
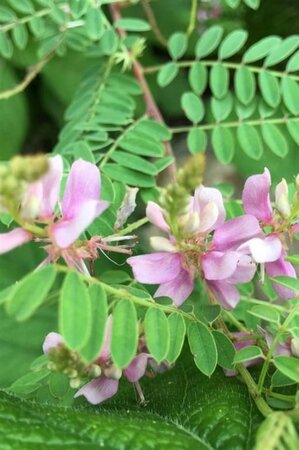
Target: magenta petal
[51, 186]
[203, 196]
[67, 231]
[155, 268]
[278, 268]
[256, 196]
[154, 214]
[225, 293]
[137, 368]
[13, 239]
[219, 265]
[245, 270]
[98, 390]
[83, 185]
[178, 289]
[235, 232]
[51, 341]
[263, 250]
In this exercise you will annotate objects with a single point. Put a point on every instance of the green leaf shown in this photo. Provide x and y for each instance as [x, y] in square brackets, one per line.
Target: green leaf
[162, 163]
[29, 382]
[225, 349]
[6, 47]
[247, 354]
[221, 108]
[141, 145]
[277, 432]
[124, 336]
[30, 293]
[134, 162]
[290, 93]
[177, 45]
[244, 85]
[265, 312]
[250, 141]
[109, 42]
[287, 282]
[245, 111]
[279, 379]
[196, 140]
[219, 80]
[78, 7]
[293, 129]
[167, 74]
[293, 63]
[275, 139]
[7, 15]
[270, 88]
[233, 42]
[132, 24]
[223, 144]
[24, 7]
[37, 26]
[75, 321]
[157, 333]
[260, 49]
[203, 347]
[208, 41]
[20, 36]
[128, 176]
[282, 51]
[115, 277]
[177, 331]
[193, 107]
[94, 23]
[198, 77]
[154, 129]
[289, 366]
[233, 3]
[254, 4]
[99, 313]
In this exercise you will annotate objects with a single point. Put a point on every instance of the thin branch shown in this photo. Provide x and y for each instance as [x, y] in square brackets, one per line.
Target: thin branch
[192, 22]
[152, 20]
[32, 73]
[152, 107]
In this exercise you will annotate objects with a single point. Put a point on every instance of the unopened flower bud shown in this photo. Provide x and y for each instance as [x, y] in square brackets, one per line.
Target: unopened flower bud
[113, 372]
[10, 185]
[295, 347]
[29, 168]
[75, 383]
[94, 371]
[189, 222]
[282, 198]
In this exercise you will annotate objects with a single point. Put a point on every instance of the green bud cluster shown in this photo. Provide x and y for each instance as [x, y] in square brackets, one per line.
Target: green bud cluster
[68, 362]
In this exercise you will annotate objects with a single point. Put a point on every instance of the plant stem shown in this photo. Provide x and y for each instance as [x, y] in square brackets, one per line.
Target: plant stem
[192, 21]
[231, 318]
[131, 227]
[152, 20]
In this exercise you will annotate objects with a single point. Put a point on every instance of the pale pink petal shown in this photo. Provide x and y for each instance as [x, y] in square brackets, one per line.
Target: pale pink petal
[263, 250]
[155, 215]
[32, 201]
[155, 268]
[51, 341]
[178, 289]
[105, 353]
[278, 268]
[98, 390]
[51, 186]
[203, 196]
[137, 368]
[235, 232]
[225, 293]
[245, 270]
[13, 239]
[282, 198]
[83, 186]
[219, 265]
[67, 231]
[256, 196]
[208, 218]
[295, 227]
[162, 244]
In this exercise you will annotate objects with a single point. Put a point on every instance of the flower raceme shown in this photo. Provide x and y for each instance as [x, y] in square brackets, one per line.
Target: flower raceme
[224, 254]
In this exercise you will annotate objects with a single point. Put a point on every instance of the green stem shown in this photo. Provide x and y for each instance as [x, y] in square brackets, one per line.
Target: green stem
[26, 19]
[228, 65]
[263, 303]
[231, 318]
[192, 21]
[286, 398]
[235, 124]
[132, 227]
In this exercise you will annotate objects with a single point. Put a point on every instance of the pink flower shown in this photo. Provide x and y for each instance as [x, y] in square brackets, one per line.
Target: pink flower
[81, 204]
[243, 340]
[268, 249]
[220, 261]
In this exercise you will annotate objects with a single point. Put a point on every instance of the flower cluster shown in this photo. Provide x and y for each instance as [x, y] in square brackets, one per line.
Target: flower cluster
[223, 253]
[104, 374]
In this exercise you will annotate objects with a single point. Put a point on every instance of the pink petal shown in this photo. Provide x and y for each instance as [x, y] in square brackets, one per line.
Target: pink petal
[155, 215]
[203, 196]
[281, 267]
[137, 368]
[263, 250]
[256, 196]
[105, 353]
[13, 239]
[83, 185]
[208, 218]
[178, 289]
[245, 270]
[155, 268]
[282, 203]
[98, 390]
[51, 341]
[219, 265]
[51, 186]
[225, 293]
[235, 232]
[67, 231]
